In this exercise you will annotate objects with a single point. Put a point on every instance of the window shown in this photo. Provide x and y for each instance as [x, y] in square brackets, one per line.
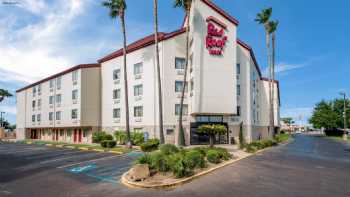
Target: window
[51, 83]
[39, 89]
[38, 117]
[138, 111]
[85, 133]
[61, 133]
[179, 86]
[192, 85]
[170, 131]
[69, 132]
[238, 110]
[184, 111]
[74, 114]
[138, 90]
[34, 91]
[116, 113]
[58, 98]
[238, 69]
[58, 115]
[33, 104]
[39, 102]
[51, 116]
[214, 119]
[180, 63]
[33, 118]
[238, 90]
[116, 94]
[75, 76]
[138, 68]
[74, 94]
[58, 83]
[51, 100]
[116, 74]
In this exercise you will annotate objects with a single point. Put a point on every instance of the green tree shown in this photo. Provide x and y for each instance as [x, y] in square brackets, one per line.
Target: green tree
[324, 116]
[263, 18]
[117, 9]
[160, 99]
[3, 94]
[186, 6]
[288, 121]
[338, 108]
[212, 131]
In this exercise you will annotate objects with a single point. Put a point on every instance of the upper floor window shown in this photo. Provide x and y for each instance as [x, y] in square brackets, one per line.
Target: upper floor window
[238, 90]
[179, 86]
[58, 98]
[39, 89]
[116, 113]
[138, 111]
[51, 116]
[33, 118]
[238, 69]
[58, 83]
[116, 94]
[116, 74]
[51, 83]
[180, 63]
[51, 100]
[39, 102]
[138, 68]
[58, 115]
[34, 91]
[138, 90]
[75, 76]
[74, 114]
[238, 110]
[38, 117]
[33, 104]
[74, 94]
[184, 109]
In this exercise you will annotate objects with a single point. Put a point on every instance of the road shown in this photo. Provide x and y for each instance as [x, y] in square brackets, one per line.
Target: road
[309, 166]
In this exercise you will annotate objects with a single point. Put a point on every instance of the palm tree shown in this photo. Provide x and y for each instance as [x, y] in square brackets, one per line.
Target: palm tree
[186, 5]
[263, 18]
[3, 94]
[117, 9]
[272, 30]
[160, 100]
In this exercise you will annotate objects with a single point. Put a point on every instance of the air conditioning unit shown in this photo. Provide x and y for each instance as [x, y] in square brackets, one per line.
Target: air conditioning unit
[75, 82]
[181, 71]
[116, 101]
[58, 105]
[117, 81]
[138, 119]
[75, 101]
[116, 120]
[138, 76]
[138, 98]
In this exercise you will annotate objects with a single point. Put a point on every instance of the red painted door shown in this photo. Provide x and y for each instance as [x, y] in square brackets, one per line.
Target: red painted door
[56, 135]
[80, 135]
[75, 135]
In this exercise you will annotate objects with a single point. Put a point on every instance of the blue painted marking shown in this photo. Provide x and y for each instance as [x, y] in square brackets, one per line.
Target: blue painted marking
[135, 154]
[102, 178]
[78, 170]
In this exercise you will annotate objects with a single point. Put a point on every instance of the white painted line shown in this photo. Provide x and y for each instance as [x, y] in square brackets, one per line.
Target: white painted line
[65, 152]
[64, 158]
[23, 151]
[99, 159]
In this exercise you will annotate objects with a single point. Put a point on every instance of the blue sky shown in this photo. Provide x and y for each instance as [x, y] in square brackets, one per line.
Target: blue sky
[42, 37]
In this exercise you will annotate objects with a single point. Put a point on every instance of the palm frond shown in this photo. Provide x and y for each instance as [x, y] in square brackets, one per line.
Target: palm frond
[272, 26]
[264, 16]
[116, 7]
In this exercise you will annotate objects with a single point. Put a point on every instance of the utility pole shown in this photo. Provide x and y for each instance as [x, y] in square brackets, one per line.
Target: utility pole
[1, 118]
[345, 136]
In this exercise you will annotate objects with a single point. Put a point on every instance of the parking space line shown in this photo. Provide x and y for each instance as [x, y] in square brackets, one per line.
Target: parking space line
[64, 158]
[54, 154]
[99, 159]
[23, 151]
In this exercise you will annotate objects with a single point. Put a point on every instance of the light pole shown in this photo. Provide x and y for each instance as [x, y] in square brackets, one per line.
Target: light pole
[1, 118]
[345, 136]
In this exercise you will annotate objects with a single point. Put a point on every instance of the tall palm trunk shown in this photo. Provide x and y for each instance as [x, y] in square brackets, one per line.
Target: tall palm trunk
[126, 92]
[270, 81]
[273, 78]
[181, 139]
[160, 95]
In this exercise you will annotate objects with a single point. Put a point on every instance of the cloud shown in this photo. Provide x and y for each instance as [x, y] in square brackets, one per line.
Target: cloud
[9, 109]
[285, 67]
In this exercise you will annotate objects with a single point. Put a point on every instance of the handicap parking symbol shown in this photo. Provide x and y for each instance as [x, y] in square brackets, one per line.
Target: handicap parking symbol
[81, 169]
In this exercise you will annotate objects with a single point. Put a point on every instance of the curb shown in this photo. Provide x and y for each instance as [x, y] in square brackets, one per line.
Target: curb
[132, 184]
[115, 152]
[83, 148]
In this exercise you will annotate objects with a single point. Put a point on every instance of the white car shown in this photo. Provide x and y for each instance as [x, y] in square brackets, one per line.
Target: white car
[298, 132]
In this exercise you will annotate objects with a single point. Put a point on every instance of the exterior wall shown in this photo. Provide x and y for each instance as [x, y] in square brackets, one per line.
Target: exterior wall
[265, 106]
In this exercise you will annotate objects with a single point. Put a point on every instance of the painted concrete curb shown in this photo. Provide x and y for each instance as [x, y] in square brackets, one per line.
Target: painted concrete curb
[132, 184]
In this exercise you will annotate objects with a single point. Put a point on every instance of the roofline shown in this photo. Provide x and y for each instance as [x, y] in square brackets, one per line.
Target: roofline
[278, 87]
[80, 66]
[139, 44]
[221, 12]
[250, 49]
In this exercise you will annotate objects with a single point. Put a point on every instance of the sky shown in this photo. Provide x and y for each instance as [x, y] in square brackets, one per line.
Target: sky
[39, 38]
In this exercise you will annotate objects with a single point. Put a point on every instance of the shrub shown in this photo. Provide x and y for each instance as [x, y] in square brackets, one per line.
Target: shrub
[145, 159]
[194, 159]
[97, 137]
[223, 153]
[202, 150]
[108, 143]
[121, 137]
[168, 149]
[213, 156]
[159, 162]
[150, 145]
[178, 165]
[137, 138]
[250, 148]
[281, 137]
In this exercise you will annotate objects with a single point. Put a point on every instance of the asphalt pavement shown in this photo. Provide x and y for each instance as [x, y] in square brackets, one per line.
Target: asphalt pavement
[309, 166]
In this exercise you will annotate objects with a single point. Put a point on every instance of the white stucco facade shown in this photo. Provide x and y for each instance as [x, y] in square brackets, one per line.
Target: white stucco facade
[225, 86]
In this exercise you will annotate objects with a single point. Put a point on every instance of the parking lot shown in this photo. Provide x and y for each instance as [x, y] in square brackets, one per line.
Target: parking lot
[36, 170]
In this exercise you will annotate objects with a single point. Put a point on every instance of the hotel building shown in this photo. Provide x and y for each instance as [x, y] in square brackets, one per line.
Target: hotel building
[224, 86]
